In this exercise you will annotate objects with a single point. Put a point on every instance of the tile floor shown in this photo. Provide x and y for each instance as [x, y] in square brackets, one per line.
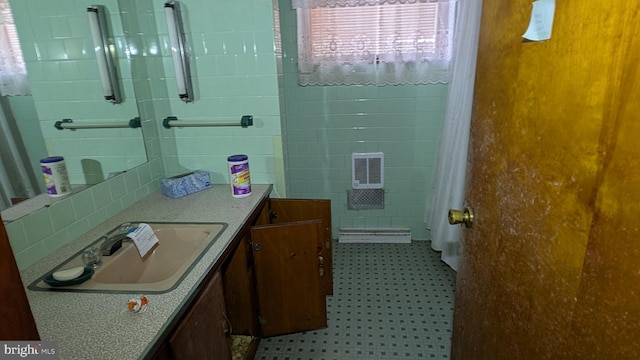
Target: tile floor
[391, 301]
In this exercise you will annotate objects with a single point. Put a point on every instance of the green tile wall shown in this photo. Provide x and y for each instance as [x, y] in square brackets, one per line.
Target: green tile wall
[234, 73]
[302, 134]
[65, 84]
[40, 233]
[325, 124]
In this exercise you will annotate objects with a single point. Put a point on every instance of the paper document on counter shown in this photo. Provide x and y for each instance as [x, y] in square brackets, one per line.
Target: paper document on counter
[144, 238]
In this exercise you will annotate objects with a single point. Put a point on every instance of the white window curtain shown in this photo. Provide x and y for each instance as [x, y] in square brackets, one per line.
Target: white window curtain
[374, 42]
[449, 180]
[13, 72]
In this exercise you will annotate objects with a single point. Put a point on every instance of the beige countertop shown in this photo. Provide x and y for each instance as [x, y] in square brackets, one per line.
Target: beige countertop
[97, 325]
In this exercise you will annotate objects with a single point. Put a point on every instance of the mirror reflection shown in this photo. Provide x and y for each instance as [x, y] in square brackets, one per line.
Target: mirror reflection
[63, 83]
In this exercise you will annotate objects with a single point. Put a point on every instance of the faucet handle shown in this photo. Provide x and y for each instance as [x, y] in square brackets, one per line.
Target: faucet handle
[91, 257]
[125, 227]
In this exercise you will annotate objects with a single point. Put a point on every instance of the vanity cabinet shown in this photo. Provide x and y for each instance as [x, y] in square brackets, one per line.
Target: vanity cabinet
[203, 332]
[288, 284]
[276, 280]
[272, 280]
[17, 319]
[284, 211]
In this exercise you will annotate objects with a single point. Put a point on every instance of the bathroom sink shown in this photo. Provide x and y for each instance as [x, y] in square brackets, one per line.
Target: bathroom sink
[180, 246]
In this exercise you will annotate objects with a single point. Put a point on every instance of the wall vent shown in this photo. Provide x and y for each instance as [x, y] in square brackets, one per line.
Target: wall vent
[384, 235]
[365, 199]
[367, 170]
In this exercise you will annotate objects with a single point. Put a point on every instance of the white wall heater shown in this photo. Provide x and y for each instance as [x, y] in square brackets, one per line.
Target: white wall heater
[367, 170]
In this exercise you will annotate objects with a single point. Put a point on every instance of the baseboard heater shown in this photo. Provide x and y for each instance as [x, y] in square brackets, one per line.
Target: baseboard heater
[386, 236]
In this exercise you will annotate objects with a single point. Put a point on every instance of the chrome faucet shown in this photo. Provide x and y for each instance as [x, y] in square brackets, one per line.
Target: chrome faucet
[112, 244]
[113, 241]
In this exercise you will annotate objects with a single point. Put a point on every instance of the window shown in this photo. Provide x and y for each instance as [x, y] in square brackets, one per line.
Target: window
[13, 72]
[374, 42]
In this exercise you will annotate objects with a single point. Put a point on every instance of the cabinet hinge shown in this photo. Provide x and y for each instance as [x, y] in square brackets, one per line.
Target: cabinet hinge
[255, 247]
[262, 320]
[272, 215]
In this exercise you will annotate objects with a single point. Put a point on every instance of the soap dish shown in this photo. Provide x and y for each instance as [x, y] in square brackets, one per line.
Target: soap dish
[86, 275]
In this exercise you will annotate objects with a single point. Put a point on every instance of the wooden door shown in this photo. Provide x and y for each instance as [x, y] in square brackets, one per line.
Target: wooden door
[203, 332]
[290, 293]
[550, 268]
[290, 210]
[17, 319]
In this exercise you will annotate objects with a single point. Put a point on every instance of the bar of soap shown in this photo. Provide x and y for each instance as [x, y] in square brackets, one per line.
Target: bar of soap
[69, 274]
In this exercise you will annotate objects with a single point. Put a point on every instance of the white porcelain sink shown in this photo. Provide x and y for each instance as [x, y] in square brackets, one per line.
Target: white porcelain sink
[180, 245]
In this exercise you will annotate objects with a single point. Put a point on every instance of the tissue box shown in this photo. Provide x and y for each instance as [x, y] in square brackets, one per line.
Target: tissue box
[185, 184]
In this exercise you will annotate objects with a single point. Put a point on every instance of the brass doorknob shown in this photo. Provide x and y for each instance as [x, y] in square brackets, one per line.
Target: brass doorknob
[461, 217]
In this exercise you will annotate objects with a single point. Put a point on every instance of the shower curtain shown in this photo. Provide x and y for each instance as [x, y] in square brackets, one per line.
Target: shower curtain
[447, 191]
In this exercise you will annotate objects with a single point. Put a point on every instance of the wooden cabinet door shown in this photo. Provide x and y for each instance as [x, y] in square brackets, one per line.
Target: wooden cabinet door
[202, 333]
[239, 289]
[290, 293]
[291, 210]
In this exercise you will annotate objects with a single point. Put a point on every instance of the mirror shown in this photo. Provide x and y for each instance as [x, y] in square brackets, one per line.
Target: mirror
[65, 84]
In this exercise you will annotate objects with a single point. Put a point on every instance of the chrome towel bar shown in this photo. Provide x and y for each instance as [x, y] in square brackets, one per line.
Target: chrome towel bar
[172, 121]
[68, 124]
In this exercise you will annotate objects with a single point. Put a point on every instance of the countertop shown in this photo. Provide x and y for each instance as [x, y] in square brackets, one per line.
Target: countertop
[97, 325]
